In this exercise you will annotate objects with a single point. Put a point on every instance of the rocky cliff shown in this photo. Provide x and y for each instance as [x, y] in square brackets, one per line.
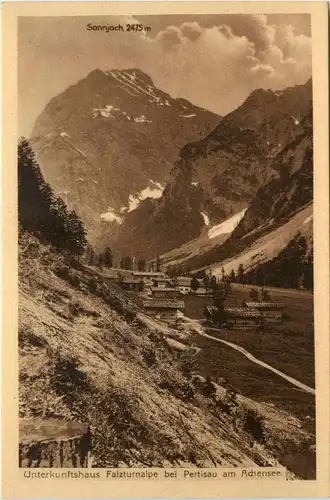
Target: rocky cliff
[274, 238]
[110, 141]
[218, 176]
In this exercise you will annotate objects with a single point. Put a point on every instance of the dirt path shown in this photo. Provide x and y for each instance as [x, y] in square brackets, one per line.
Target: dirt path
[200, 330]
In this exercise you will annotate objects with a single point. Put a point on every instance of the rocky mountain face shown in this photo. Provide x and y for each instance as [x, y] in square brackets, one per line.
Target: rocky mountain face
[111, 140]
[274, 238]
[218, 176]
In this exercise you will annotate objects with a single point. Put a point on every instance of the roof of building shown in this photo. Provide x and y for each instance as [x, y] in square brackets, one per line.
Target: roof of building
[162, 279]
[242, 312]
[182, 280]
[211, 309]
[265, 305]
[159, 289]
[163, 304]
[131, 281]
[148, 273]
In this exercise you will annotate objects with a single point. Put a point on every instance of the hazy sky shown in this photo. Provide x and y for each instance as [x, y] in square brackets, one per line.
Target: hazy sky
[213, 61]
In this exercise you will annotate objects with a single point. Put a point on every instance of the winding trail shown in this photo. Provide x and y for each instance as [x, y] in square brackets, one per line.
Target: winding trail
[199, 329]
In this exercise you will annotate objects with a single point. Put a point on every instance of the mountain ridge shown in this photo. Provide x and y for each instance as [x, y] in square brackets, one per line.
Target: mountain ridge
[111, 136]
[218, 176]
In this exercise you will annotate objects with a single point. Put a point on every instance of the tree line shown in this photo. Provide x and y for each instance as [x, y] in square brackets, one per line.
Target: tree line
[42, 213]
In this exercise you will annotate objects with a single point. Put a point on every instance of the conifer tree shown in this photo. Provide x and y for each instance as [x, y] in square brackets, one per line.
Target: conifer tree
[194, 284]
[240, 274]
[141, 265]
[40, 212]
[128, 263]
[107, 257]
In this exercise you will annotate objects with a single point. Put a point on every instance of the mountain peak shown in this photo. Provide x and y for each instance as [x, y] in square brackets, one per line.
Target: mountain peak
[261, 94]
[132, 74]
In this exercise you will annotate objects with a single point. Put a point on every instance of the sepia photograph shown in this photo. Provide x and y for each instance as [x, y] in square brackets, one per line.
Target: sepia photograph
[166, 270]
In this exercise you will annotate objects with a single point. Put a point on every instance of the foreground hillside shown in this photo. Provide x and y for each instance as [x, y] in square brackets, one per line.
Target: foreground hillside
[88, 353]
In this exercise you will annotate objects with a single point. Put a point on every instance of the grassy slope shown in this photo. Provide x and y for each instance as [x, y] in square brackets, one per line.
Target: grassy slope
[288, 346]
[94, 357]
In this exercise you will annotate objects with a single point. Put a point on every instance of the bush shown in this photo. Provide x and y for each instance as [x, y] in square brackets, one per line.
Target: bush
[149, 356]
[62, 271]
[114, 302]
[67, 378]
[92, 285]
[129, 315]
[74, 308]
[253, 423]
[26, 336]
[74, 280]
[209, 389]
[171, 381]
[187, 363]
[74, 263]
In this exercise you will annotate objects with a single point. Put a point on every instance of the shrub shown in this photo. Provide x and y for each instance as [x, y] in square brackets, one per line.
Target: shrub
[129, 315]
[187, 363]
[92, 285]
[114, 302]
[74, 263]
[62, 271]
[208, 389]
[253, 423]
[173, 383]
[74, 280]
[26, 336]
[149, 356]
[67, 378]
[74, 308]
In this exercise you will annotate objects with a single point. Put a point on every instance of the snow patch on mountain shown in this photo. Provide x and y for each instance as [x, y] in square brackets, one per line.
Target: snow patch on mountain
[142, 119]
[266, 247]
[106, 112]
[206, 219]
[188, 116]
[111, 216]
[219, 233]
[65, 135]
[153, 191]
[227, 226]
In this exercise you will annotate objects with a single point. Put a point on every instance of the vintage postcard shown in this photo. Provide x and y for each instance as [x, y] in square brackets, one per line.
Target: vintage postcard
[166, 250]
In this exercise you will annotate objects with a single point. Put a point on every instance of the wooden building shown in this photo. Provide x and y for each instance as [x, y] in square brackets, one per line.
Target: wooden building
[242, 318]
[169, 310]
[135, 285]
[201, 290]
[211, 313]
[183, 284]
[148, 274]
[163, 293]
[162, 282]
[270, 311]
